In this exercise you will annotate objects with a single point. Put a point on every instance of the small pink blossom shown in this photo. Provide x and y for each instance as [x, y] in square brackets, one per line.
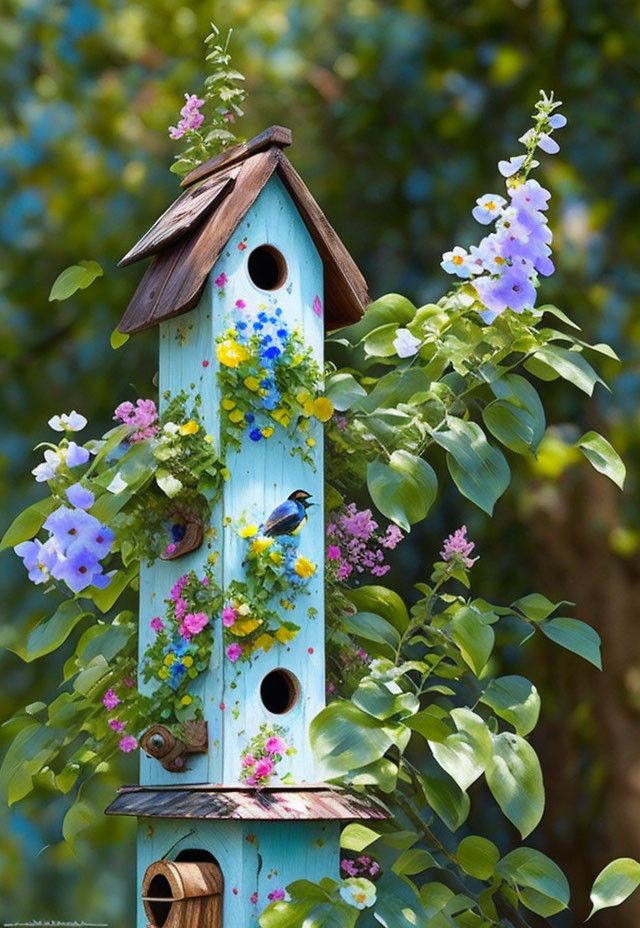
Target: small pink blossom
[116, 725]
[278, 895]
[334, 553]
[264, 768]
[234, 652]
[178, 587]
[221, 280]
[110, 700]
[128, 744]
[458, 546]
[192, 118]
[193, 623]
[170, 549]
[229, 616]
[251, 781]
[143, 416]
[248, 760]
[275, 745]
[253, 898]
[128, 682]
[180, 608]
[157, 624]
[205, 363]
[240, 304]
[317, 305]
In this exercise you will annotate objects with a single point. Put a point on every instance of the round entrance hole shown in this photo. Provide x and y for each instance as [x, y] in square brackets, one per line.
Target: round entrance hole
[159, 891]
[279, 691]
[194, 855]
[267, 267]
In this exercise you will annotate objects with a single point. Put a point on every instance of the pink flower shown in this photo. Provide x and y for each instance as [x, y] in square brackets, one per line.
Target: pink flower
[458, 546]
[192, 118]
[116, 725]
[178, 587]
[110, 700]
[349, 867]
[251, 781]
[264, 768]
[234, 652]
[157, 624]
[253, 898]
[248, 760]
[144, 416]
[240, 304]
[180, 608]
[229, 616]
[334, 553]
[317, 305]
[221, 280]
[128, 682]
[128, 744]
[275, 745]
[193, 623]
[170, 549]
[278, 895]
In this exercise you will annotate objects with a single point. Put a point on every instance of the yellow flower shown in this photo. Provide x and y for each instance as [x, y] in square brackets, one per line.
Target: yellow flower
[236, 415]
[213, 558]
[252, 383]
[261, 544]
[302, 397]
[227, 403]
[311, 442]
[208, 439]
[189, 428]
[187, 660]
[282, 416]
[248, 531]
[169, 659]
[285, 634]
[244, 609]
[230, 353]
[163, 673]
[276, 557]
[268, 431]
[186, 700]
[322, 409]
[264, 641]
[307, 408]
[245, 627]
[304, 567]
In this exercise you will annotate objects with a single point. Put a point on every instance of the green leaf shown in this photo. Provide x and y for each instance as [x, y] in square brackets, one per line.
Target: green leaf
[402, 489]
[413, 861]
[542, 885]
[382, 601]
[515, 780]
[575, 636]
[514, 699]
[118, 339]
[571, 366]
[105, 598]
[345, 738]
[50, 634]
[444, 796]
[27, 523]
[516, 418]
[356, 837]
[615, 883]
[371, 627]
[478, 857]
[379, 342]
[536, 607]
[393, 307]
[79, 817]
[464, 754]
[603, 457]
[382, 773]
[474, 639]
[382, 699]
[77, 277]
[343, 390]
[479, 470]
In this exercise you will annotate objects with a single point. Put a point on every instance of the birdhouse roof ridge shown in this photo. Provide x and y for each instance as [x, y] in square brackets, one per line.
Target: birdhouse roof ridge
[189, 237]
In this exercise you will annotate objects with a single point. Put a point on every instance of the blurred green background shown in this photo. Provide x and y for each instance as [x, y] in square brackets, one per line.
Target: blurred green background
[400, 112]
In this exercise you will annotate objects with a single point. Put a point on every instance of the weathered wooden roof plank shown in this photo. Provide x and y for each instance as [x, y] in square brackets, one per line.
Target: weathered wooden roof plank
[274, 136]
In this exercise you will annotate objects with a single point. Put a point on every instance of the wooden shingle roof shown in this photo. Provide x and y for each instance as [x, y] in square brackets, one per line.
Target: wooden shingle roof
[188, 238]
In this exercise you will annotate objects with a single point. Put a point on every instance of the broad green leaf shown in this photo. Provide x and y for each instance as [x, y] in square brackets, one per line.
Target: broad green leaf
[542, 885]
[118, 339]
[430, 723]
[51, 633]
[516, 418]
[515, 779]
[379, 343]
[343, 390]
[559, 314]
[575, 636]
[382, 773]
[603, 457]
[398, 386]
[413, 861]
[402, 489]
[371, 627]
[399, 906]
[79, 817]
[515, 700]
[615, 883]
[381, 601]
[105, 599]
[27, 523]
[345, 738]
[356, 837]
[382, 700]
[465, 754]
[479, 470]
[571, 366]
[393, 307]
[474, 639]
[77, 277]
[536, 607]
[478, 857]
[444, 796]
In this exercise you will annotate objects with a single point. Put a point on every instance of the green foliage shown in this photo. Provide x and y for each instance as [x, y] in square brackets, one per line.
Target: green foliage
[615, 883]
[77, 277]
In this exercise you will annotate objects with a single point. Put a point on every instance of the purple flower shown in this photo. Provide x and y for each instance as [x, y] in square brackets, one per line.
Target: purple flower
[116, 725]
[192, 118]
[68, 422]
[512, 166]
[128, 744]
[39, 559]
[557, 121]
[110, 700]
[530, 195]
[144, 416]
[47, 469]
[156, 624]
[229, 616]
[334, 553]
[488, 208]
[549, 145]
[81, 569]
[457, 545]
[80, 497]
[234, 652]
[275, 745]
[513, 290]
[221, 280]
[76, 455]
[458, 262]
[97, 539]
[277, 895]
[178, 587]
[70, 525]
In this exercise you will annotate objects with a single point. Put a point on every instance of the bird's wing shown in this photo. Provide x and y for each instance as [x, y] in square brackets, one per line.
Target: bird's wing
[285, 511]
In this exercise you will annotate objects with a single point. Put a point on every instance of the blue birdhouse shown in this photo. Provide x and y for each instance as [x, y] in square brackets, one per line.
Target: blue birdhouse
[246, 275]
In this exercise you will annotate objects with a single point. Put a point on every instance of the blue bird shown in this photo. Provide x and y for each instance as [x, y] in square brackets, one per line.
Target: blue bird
[289, 517]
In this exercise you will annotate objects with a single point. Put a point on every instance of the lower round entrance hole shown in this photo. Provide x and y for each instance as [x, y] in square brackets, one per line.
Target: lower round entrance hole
[279, 691]
[159, 891]
[267, 267]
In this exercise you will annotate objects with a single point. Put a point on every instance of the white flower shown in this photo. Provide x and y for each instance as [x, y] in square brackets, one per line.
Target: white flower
[244, 609]
[68, 422]
[458, 262]
[117, 485]
[358, 892]
[46, 470]
[406, 344]
[170, 428]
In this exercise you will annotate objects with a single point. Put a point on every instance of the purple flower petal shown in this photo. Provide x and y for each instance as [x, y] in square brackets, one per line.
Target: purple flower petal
[80, 497]
[546, 143]
[557, 121]
[512, 166]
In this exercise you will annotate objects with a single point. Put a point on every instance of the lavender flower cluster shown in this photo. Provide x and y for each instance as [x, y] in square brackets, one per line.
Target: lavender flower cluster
[191, 117]
[355, 545]
[506, 263]
[142, 418]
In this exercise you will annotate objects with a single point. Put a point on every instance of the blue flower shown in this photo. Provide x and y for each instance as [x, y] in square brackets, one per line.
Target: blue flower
[282, 334]
[241, 325]
[80, 570]
[270, 401]
[263, 317]
[76, 455]
[71, 525]
[80, 497]
[255, 435]
[249, 417]
[257, 327]
[271, 353]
